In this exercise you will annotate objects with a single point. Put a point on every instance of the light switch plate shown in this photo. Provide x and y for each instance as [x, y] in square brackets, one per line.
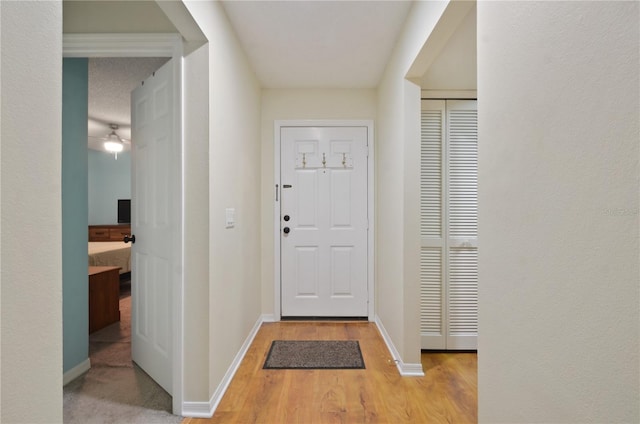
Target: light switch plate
[230, 217]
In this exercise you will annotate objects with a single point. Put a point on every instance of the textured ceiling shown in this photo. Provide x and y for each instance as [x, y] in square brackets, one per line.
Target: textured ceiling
[318, 44]
[111, 81]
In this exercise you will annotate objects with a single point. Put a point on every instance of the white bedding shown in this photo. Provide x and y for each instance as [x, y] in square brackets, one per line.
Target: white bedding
[110, 253]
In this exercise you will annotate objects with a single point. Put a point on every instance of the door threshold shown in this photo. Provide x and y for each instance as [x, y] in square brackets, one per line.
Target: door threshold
[314, 318]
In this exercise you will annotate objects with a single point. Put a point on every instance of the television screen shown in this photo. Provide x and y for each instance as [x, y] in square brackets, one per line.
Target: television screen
[124, 211]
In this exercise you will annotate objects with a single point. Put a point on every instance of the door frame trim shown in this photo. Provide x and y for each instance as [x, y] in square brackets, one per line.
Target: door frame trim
[152, 45]
[367, 123]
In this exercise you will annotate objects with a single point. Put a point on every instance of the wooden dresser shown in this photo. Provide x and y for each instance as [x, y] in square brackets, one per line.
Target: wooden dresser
[114, 232]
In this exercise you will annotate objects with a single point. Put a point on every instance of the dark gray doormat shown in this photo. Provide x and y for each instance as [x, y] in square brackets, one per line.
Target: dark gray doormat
[314, 354]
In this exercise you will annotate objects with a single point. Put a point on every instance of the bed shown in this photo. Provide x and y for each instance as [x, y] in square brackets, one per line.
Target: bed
[110, 253]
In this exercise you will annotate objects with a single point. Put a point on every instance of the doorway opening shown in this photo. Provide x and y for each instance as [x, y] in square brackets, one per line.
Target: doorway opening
[165, 46]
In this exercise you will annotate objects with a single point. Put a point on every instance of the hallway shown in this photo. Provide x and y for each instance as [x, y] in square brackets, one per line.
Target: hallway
[447, 393]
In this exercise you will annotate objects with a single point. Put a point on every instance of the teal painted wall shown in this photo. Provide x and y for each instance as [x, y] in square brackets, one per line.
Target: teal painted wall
[109, 180]
[75, 291]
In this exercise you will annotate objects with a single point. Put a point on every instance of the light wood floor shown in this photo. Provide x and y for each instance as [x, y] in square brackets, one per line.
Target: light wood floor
[446, 394]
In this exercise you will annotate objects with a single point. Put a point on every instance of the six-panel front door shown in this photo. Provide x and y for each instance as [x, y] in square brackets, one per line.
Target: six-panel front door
[324, 221]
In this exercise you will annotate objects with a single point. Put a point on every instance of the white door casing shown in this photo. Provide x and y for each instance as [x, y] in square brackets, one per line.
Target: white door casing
[153, 148]
[324, 243]
[449, 225]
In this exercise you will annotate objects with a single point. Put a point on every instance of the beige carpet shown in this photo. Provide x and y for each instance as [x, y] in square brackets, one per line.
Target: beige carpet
[115, 390]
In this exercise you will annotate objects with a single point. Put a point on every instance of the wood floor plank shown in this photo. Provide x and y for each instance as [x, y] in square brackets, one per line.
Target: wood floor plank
[378, 394]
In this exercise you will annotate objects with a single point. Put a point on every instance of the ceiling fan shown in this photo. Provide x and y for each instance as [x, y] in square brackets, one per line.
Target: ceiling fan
[112, 142]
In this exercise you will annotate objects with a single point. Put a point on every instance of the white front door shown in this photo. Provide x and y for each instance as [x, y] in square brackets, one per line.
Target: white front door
[153, 147]
[324, 221]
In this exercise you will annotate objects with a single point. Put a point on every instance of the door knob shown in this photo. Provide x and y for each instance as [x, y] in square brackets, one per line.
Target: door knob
[286, 230]
[131, 238]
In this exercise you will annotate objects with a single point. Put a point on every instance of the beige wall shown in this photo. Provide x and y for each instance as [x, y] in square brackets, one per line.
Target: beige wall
[30, 213]
[455, 68]
[234, 182]
[397, 186]
[559, 111]
[282, 104]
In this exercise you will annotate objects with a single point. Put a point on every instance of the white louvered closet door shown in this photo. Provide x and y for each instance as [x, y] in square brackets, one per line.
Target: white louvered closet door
[432, 210]
[449, 225]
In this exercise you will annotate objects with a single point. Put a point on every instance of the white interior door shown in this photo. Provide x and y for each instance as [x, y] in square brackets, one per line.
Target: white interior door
[324, 221]
[153, 145]
[449, 225]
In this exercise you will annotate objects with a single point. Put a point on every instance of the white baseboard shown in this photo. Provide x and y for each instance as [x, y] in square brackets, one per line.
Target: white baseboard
[76, 372]
[207, 409]
[197, 409]
[407, 370]
[411, 370]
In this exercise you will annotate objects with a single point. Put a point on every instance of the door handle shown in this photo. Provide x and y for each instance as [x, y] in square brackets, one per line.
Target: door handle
[286, 230]
[131, 238]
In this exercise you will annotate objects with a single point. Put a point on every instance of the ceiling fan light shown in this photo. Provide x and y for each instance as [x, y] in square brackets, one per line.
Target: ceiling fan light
[113, 146]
